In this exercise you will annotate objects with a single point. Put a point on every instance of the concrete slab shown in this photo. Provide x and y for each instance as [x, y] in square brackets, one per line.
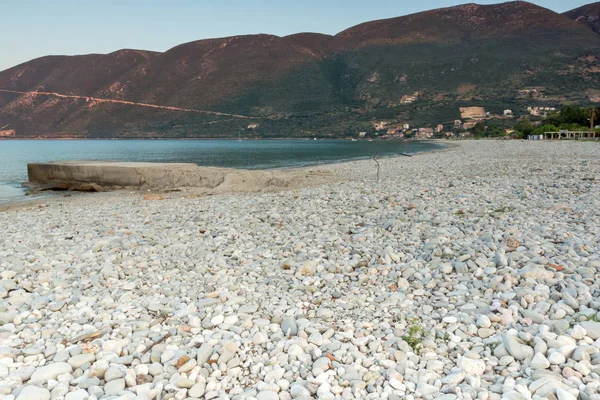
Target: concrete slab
[92, 175]
[109, 175]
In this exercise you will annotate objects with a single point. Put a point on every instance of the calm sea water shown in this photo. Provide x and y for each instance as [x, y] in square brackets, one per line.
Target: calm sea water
[247, 154]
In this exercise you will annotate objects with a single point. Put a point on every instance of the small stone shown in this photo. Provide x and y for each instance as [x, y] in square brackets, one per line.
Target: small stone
[87, 383]
[556, 358]
[325, 313]
[61, 356]
[446, 268]
[125, 360]
[516, 347]
[167, 356]
[267, 395]
[454, 378]
[204, 353]
[483, 321]
[24, 373]
[450, 320]
[96, 391]
[461, 268]
[396, 384]
[485, 332]
[113, 346]
[259, 338]
[78, 394]
[98, 369]
[295, 351]
[481, 262]
[155, 369]
[289, 327]
[539, 361]
[50, 371]
[80, 359]
[114, 387]
[512, 243]
[426, 389]
[316, 338]
[34, 393]
[583, 367]
[309, 268]
[58, 389]
[578, 332]
[188, 366]
[197, 390]
[298, 390]
[113, 373]
[500, 259]
[563, 394]
[7, 352]
[322, 364]
[592, 329]
[569, 372]
[534, 316]
[471, 366]
[185, 383]
[181, 361]
[324, 392]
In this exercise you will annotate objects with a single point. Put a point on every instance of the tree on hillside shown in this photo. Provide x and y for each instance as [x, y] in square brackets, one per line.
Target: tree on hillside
[479, 129]
[574, 115]
[524, 127]
[570, 115]
[545, 128]
[596, 115]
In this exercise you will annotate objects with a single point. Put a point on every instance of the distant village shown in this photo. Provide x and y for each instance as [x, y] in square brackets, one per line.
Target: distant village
[460, 128]
[465, 127]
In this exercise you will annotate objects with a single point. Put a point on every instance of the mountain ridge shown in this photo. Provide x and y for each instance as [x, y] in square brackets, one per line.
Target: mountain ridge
[588, 15]
[481, 19]
[310, 83]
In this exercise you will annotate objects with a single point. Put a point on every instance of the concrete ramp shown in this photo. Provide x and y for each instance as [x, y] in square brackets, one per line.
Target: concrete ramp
[109, 175]
[98, 175]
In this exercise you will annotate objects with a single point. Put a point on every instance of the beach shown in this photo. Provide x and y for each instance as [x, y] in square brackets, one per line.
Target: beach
[468, 273]
[237, 157]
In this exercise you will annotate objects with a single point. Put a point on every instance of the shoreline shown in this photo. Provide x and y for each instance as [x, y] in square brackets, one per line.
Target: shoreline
[236, 139]
[276, 171]
[470, 272]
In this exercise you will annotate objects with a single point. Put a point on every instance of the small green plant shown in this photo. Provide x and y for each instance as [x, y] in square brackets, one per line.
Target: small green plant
[583, 317]
[443, 336]
[502, 210]
[592, 317]
[493, 346]
[415, 335]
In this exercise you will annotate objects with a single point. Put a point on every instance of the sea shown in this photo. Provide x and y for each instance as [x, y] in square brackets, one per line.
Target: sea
[244, 154]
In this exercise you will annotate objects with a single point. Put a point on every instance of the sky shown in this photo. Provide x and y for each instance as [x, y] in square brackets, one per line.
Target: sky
[35, 28]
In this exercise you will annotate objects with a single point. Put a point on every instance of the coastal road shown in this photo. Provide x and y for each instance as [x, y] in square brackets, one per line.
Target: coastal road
[130, 103]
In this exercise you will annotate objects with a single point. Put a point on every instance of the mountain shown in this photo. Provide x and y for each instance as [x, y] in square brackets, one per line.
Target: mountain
[459, 23]
[418, 69]
[588, 15]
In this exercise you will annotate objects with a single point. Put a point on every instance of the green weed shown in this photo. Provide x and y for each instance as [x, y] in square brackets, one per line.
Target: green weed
[415, 335]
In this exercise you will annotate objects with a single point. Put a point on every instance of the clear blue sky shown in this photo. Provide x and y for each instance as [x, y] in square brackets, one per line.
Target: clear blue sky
[34, 28]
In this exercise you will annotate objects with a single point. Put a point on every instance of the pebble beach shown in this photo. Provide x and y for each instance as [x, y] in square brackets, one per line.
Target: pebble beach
[470, 273]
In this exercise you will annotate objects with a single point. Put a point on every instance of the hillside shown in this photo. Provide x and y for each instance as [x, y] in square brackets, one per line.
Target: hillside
[588, 15]
[309, 83]
[460, 23]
